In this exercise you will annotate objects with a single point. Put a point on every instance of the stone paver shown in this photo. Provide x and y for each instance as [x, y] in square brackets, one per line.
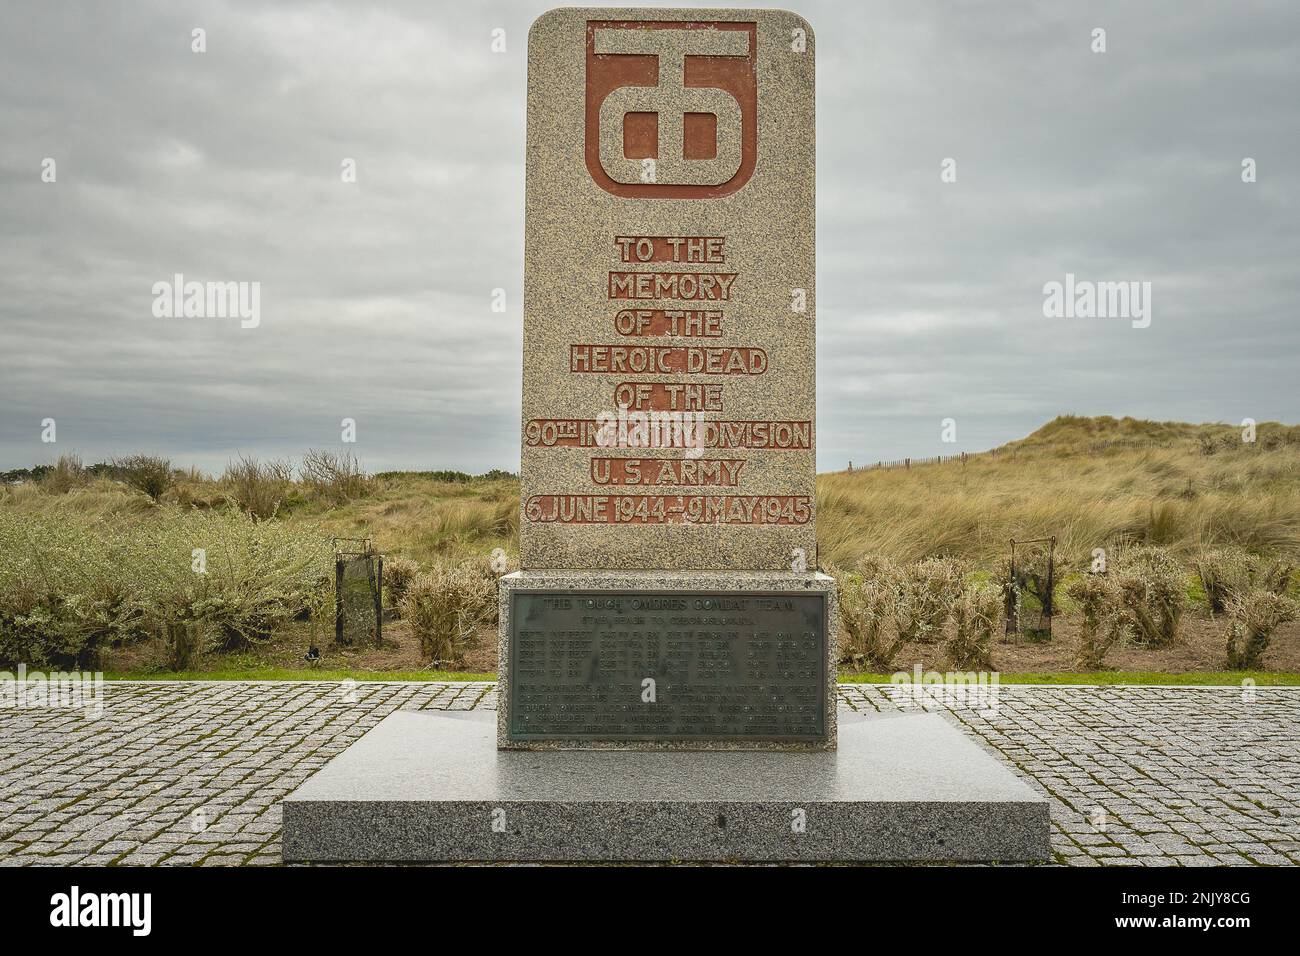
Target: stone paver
[192, 773]
[1156, 776]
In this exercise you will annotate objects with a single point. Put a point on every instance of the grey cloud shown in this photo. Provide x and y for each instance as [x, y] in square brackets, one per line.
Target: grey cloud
[1123, 165]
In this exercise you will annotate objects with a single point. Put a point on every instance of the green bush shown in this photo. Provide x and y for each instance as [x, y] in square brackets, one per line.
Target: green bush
[258, 575]
[72, 584]
[68, 588]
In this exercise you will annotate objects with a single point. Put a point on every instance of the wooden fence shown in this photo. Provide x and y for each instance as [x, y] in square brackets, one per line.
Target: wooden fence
[963, 457]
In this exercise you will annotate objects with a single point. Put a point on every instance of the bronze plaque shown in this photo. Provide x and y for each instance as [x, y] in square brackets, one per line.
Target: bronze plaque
[667, 666]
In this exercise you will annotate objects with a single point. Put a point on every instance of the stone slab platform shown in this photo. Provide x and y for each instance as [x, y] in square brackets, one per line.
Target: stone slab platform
[424, 786]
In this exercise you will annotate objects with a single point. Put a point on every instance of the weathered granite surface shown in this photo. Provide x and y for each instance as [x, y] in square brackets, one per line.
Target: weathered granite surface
[427, 786]
[651, 582]
[753, 72]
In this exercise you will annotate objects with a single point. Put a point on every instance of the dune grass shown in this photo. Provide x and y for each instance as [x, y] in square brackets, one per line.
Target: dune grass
[428, 520]
[1092, 483]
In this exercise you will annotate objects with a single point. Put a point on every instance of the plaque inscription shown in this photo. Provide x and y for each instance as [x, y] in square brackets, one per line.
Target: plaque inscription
[667, 666]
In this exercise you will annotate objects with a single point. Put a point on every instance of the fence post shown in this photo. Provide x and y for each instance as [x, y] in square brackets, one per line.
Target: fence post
[379, 602]
[338, 598]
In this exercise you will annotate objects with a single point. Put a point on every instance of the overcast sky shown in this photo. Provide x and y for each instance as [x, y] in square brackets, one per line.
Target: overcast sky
[375, 296]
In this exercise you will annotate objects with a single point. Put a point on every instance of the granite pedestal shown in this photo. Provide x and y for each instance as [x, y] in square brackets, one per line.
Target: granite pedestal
[432, 786]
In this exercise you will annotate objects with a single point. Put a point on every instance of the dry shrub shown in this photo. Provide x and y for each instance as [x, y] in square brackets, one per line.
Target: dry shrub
[1271, 574]
[445, 608]
[1252, 619]
[1153, 593]
[926, 591]
[258, 488]
[491, 567]
[866, 600]
[68, 473]
[1232, 572]
[333, 476]
[1224, 572]
[399, 572]
[1210, 443]
[1104, 623]
[883, 606]
[204, 494]
[147, 473]
[976, 614]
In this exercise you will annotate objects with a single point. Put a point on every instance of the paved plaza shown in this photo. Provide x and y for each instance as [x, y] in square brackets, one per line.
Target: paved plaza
[191, 773]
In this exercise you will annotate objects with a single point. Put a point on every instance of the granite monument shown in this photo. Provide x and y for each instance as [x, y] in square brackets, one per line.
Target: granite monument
[668, 598]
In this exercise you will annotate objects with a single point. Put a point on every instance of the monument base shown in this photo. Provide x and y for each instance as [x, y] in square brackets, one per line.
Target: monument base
[432, 786]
